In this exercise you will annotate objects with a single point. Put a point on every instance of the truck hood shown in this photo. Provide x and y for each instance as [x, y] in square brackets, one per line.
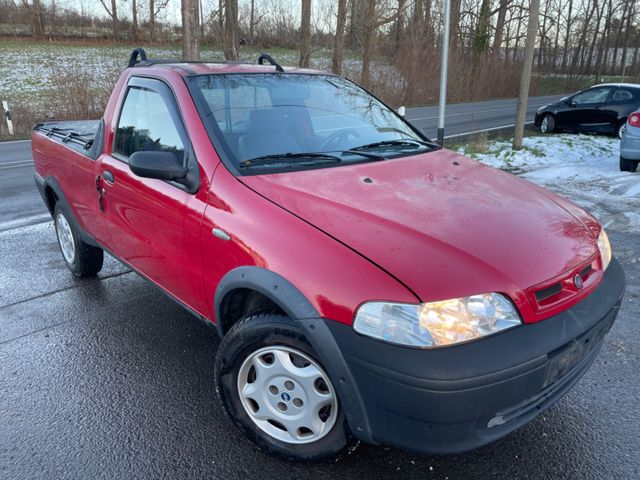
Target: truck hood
[442, 224]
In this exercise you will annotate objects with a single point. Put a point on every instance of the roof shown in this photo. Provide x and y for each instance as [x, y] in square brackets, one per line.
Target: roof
[631, 85]
[139, 59]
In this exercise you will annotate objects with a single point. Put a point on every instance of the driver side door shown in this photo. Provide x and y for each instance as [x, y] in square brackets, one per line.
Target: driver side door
[154, 225]
[585, 110]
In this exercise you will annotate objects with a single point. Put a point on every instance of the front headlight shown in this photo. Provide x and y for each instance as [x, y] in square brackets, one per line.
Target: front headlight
[605, 249]
[437, 324]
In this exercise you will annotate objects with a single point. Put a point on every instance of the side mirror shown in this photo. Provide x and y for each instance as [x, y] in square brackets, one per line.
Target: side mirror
[160, 165]
[401, 111]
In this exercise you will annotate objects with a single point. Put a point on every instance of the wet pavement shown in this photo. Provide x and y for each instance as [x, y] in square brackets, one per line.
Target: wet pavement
[108, 378]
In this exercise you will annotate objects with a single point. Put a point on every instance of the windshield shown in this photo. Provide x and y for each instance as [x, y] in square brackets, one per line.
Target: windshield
[276, 121]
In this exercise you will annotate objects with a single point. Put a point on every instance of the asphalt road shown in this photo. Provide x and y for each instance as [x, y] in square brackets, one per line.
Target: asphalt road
[107, 378]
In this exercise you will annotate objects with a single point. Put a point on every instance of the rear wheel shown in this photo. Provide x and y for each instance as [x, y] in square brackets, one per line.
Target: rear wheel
[548, 124]
[627, 165]
[82, 259]
[277, 392]
[621, 128]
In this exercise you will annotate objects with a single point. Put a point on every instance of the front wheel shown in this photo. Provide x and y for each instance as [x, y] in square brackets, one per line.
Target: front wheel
[548, 124]
[276, 391]
[627, 165]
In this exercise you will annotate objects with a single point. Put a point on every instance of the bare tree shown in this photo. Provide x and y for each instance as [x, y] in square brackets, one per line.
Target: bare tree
[113, 14]
[37, 23]
[134, 20]
[502, 15]
[231, 30]
[529, 49]
[338, 47]
[305, 34]
[190, 23]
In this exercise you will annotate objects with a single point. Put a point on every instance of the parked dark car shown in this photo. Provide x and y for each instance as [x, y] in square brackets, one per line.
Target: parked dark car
[600, 109]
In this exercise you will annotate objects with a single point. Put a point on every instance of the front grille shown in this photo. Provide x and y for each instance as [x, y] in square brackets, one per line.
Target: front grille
[549, 291]
[585, 271]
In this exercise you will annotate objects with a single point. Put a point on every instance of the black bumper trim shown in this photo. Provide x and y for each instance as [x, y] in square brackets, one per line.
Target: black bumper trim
[442, 400]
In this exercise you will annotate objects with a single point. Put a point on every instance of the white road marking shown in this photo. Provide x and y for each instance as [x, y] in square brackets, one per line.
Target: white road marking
[23, 222]
[483, 130]
[473, 113]
[13, 141]
[9, 165]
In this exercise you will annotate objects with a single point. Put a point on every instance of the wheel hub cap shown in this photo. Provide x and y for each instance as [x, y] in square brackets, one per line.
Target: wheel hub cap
[65, 238]
[287, 395]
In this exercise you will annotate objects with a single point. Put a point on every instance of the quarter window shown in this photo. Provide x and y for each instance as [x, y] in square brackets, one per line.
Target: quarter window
[622, 96]
[145, 124]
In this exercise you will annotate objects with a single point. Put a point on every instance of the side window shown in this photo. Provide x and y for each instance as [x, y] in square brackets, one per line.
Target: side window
[145, 124]
[595, 95]
[622, 95]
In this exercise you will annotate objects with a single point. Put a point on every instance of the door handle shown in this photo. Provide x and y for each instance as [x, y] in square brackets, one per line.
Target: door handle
[108, 176]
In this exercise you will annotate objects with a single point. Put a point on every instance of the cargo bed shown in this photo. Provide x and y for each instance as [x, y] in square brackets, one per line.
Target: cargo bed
[83, 136]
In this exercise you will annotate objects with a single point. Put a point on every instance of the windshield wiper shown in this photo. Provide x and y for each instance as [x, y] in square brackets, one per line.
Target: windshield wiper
[398, 142]
[279, 158]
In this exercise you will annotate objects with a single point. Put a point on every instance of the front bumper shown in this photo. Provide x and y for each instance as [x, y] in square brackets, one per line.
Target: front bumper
[458, 398]
[630, 143]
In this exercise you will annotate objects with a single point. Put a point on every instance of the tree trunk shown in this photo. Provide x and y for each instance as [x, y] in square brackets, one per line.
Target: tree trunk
[369, 11]
[114, 20]
[134, 20]
[338, 48]
[36, 20]
[231, 30]
[583, 36]
[623, 22]
[152, 20]
[532, 29]
[453, 31]
[399, 26]
[502, 15]
[416, 32]
[481, 35]
[565, 51]
[603, 48]
[190, 23]
[305, 34]
[625, 46]
[252, 16]
[592, 48]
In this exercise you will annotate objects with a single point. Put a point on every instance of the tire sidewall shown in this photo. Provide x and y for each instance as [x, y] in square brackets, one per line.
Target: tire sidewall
[246, 337]
[551, 124]
[61, 208]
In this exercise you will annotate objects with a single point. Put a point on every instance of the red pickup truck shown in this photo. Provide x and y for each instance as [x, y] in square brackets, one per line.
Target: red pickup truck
[367, 284]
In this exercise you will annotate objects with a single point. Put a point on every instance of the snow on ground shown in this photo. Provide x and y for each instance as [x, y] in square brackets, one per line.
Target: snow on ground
[583, 168]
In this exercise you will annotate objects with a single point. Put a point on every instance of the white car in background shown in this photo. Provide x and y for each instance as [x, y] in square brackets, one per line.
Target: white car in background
[630, 144]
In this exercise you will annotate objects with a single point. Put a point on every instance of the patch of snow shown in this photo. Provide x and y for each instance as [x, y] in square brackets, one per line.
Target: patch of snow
[582, 168]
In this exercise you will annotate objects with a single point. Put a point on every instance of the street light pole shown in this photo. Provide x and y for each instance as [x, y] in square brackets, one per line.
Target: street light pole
[444, 62]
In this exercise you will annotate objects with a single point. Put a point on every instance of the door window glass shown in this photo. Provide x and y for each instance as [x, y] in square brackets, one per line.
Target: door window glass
[595, 95]
[145, 124]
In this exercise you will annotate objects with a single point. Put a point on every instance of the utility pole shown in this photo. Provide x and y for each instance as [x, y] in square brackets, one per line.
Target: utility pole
[525, 80]
[444, 64]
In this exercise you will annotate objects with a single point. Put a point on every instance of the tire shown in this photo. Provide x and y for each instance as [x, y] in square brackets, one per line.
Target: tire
[627, 165]
[548, 124]
[272, 337]
[620, 128]
[82, 259]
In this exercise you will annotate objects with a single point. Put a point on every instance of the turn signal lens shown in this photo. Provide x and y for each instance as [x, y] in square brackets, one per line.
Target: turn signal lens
[605, 249]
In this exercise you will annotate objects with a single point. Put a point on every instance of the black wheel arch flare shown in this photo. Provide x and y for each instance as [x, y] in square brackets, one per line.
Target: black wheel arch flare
[284, 294]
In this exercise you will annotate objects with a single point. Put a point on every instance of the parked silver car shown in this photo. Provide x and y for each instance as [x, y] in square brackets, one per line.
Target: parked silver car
[630, 144]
